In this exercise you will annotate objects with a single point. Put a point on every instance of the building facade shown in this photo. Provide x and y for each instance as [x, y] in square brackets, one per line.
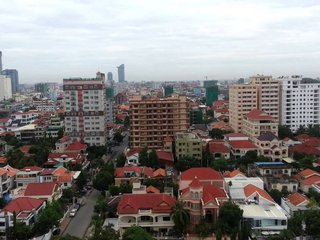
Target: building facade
[5, 87]
[242, 99]
[85, 109]
[121, 75]
[14, 76]
[300, 100]
[188, 145]
[153, 119]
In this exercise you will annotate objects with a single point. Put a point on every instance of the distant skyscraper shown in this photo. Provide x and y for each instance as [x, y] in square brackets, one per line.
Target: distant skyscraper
[13, 74]
[109, 76]
[121, 77]
[0, 62]
[5, 87]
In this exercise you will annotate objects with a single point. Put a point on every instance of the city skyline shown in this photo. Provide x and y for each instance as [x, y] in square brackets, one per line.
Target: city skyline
[160, 41]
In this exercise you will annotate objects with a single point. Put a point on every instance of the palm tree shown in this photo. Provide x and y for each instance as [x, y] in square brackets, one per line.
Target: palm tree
[180, 216]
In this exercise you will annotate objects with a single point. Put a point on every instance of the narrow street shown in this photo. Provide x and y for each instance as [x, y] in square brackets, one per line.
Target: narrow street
[81, 221]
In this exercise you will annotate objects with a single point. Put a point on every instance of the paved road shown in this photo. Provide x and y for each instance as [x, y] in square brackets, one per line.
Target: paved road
[117, 150]
[79, 224]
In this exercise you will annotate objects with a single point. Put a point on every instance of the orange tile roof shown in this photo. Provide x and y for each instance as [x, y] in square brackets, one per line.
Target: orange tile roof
[251, 189]
[244, 144]
[152, 189]
[201, 174]
[297, 198]
[23, 204]
[3, 160]
[2, 171]
[308, 173]
[311, 180]
[160, 172]
[218, 148]
[232, 174]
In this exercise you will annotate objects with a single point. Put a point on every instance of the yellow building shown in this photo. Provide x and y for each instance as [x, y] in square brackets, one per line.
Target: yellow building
[257, 122]
[188, 144]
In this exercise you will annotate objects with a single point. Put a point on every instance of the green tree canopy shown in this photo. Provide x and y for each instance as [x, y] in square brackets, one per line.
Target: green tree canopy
[229, 218]
[220, 164]
[103, 180]
[180, 217]
[187, 162]
[136, 233]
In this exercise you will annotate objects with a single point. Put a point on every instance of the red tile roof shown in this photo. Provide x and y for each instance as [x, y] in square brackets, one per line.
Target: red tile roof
[244, 144]
[201, 174]
[166, 156]
[64, 139]
[257, 114]
[297, 198]
[3, 160]
[218, 148]
[211, 192]
[232, 174]
[157, 203]
[32, 168]
[77, 146]
[310, 180]
[159, 173]
[133, 151]
[195, 184]
[23, 204]
[235, 135]
[25, 149]
[251, 189]
[4, 120]
[307, 173]
[41, 189]
[303, 148]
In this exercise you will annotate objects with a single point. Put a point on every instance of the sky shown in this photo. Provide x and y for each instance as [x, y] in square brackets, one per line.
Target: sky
[160, 40]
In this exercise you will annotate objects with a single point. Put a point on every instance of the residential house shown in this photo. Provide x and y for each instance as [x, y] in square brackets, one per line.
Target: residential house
[218, 149]
[62, 144]
[261, 211]
[46, 190]
[257, 122]
[206, 176]
[131, 174]
[295, 202]
[165, 158]
[202, 200]
[30, 174]
[7, 176]
[307, 179]
[26, 210]
[275, 175]
[68, 157]
[239, 148]
[149, 211]
[269, 145]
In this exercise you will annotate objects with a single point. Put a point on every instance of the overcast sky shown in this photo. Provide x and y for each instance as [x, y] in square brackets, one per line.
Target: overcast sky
[159, 40]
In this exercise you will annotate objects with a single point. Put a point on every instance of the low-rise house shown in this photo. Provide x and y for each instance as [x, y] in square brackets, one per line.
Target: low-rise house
[269, 145]
[62, 144]
[48, 190]
[307, 179]
[257, 122]
[206, 176]
[276, 175]
[7, 176]
[239, 148]
[27, 133]
[30, 174]
[77, 147]
[235, 137]
[68, 157]
[149, 211]
[218, 149]
[26, 210]
[131, 174]
[165, 158]
[295, 202]
[260, 210]
[202, 201]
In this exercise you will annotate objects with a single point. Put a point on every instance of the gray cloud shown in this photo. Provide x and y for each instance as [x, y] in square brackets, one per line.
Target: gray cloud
[159, 40]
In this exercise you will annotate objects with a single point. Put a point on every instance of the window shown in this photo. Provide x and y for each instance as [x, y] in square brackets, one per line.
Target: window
[166, 219]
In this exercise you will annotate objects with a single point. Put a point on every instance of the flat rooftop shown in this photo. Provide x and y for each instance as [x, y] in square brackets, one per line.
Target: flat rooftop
[262, 211]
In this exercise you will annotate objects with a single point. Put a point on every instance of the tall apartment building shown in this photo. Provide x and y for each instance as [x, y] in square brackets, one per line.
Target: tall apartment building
[300, 100]
[268, 94]
[121, 76]
[153, 119]
[14, 76]
[85, 109]
[242, 99]
[262, 92]
[5, 87]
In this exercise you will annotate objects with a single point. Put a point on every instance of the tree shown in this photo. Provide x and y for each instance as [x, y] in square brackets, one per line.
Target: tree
[301, 130]
[207, 158]
[220, 164]
[104, 233]
[81, 180]
[49, 217]
[180, 217]
[19, 231]
[187, 162]
[126, 122]
[118, 137]
[276, 195]
[204, 229]
[114, 190]
[250, 157]
[136, 233]
[284, 131]
[101, 207]
[121, 160]
[2, 203]
[103, 180]
[143, 156]
[67, 237]
[153, 160]
[229, 218]
[312, 221]
[125, 188]
[60, 133]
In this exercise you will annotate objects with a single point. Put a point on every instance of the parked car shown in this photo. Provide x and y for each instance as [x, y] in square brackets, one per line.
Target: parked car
[74, 210]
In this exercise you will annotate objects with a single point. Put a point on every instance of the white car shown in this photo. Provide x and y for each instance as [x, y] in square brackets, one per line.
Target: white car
[73, 212]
